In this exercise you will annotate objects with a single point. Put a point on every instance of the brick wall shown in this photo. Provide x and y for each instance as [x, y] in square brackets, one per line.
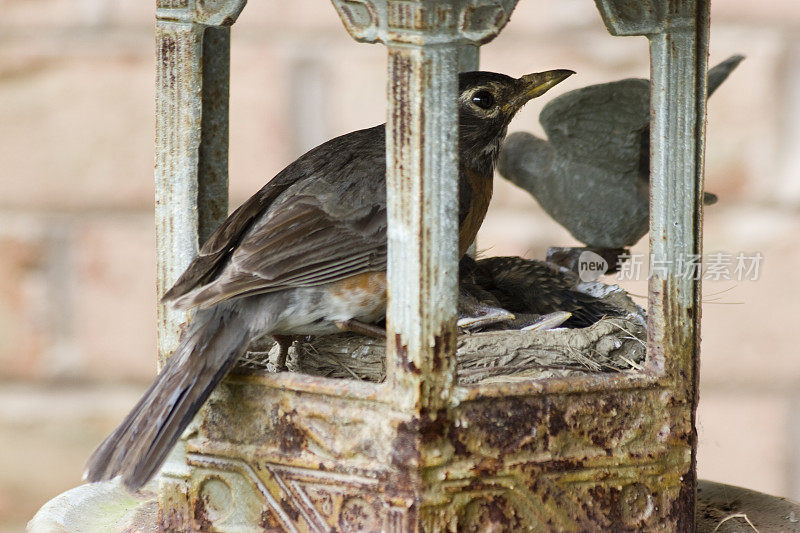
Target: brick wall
[76, 217]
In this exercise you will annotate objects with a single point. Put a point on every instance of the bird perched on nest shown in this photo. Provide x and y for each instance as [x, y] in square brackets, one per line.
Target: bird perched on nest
[592, 175]
[306, 255]
[525, 289]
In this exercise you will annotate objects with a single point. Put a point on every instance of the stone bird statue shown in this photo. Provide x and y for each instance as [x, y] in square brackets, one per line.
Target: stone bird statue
[592, 175]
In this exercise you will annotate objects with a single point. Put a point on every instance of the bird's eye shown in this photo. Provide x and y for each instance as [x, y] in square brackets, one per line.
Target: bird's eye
[483, 99]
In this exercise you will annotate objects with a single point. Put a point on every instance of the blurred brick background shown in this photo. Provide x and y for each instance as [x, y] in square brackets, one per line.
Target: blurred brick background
[77, 298]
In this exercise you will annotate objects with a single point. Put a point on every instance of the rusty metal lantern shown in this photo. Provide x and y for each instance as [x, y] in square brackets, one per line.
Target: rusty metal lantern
[300, 453]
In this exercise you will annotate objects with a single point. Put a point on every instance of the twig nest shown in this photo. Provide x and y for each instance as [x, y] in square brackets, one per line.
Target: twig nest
[610, 345]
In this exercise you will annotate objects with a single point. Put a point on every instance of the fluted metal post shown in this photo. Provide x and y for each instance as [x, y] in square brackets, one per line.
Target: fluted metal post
[678, 34]
[191, 162]
[428, 43]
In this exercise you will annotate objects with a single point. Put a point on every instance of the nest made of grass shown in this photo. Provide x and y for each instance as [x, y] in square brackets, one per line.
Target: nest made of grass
[609, 345]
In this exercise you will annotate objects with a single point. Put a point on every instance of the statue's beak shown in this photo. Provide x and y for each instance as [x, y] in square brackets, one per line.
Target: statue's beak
[536, 84]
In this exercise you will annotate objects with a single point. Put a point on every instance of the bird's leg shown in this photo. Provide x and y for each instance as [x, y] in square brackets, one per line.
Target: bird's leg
[356, 326]
[284, 342]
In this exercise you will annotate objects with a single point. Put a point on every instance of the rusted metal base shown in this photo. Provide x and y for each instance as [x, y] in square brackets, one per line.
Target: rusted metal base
[302, 453]
[720, 508]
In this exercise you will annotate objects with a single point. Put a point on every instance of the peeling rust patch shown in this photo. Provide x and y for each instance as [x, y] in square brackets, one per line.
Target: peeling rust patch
[401, 353]
[201, 521]
[432, 426]
[444, 345]
[682, 511]
[269, 522]
[290, 437]
[487, 466]
[405, 453]
[287, 507]
[491, 513]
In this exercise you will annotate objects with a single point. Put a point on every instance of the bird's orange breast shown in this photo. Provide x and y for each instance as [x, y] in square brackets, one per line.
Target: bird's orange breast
[476, 210]
[366, 292]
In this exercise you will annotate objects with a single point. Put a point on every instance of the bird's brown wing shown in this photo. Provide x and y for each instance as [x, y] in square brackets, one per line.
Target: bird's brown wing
[327, 225]
[302, 245]
[318, 220]
[217, 249]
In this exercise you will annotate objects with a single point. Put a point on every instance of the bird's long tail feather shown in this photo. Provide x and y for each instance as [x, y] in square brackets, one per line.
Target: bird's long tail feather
[208, 350]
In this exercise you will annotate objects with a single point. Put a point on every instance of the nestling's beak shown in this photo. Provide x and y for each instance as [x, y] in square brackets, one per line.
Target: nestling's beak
[536, 84]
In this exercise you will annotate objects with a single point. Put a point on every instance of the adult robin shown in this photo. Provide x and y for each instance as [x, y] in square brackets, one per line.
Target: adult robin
[306, 255]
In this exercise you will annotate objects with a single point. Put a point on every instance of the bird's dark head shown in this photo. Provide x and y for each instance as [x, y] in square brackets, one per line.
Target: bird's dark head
[487, 102]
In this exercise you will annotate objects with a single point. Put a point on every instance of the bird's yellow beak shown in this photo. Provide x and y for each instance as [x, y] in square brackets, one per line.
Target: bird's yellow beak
[536, 84]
